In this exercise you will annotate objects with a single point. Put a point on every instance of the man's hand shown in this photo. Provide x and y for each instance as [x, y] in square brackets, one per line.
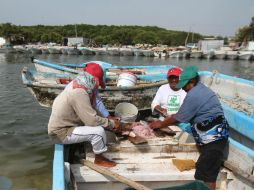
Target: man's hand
[164, 112]
[115, 125]
[113, 117]
[155, 124]
[161, 110]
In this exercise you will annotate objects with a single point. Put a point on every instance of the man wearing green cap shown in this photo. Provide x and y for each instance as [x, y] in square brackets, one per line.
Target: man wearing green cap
[210, 129]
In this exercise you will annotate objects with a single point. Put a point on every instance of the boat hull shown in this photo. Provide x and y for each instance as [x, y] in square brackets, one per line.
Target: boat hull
[45, 91]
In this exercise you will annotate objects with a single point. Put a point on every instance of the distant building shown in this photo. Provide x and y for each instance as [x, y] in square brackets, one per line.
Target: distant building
[206, 45]
[2, 41]
[75, 41]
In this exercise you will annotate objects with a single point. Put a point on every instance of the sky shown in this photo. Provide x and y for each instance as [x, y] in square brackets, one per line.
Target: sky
[207, 17]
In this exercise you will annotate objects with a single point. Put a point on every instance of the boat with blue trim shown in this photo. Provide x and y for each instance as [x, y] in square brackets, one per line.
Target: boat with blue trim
[151, 164]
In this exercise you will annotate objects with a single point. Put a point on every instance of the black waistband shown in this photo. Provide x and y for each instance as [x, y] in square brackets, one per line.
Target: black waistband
[208, 124]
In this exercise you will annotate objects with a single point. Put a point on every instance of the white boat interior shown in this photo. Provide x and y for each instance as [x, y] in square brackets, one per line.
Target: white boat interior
[151, 164]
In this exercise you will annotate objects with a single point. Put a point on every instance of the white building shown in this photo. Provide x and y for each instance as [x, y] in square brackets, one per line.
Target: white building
[73, 41]
[206, 45]
[2, 41]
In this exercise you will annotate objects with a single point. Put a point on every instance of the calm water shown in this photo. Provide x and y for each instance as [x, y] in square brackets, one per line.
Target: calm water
[25, 151]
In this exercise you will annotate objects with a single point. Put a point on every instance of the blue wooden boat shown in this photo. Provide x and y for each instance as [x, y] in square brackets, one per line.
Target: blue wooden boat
[46, 86]
[111, 70]
[151, 164]
[236, 94]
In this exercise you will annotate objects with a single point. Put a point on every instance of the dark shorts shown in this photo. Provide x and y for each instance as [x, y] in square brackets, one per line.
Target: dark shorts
[210, 160]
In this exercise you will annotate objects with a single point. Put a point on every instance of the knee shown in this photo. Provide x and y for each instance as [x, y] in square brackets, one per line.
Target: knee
[100, 131]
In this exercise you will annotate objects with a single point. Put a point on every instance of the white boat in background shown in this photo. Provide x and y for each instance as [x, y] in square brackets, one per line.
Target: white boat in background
[160, 54]
[54, 50]
[186, 53]
[245, 55]
[87, 51]
[208, 54]
[20, 49]
[138, 52]
[148, 53]
[64, 50]
[196, 54]
[113, 51]
[7, 49]
[220, 54]
[101, 51]
[176, 54]
[44, 50]
[73, 51]
[232, 55]
[126, 52]
[35, 50]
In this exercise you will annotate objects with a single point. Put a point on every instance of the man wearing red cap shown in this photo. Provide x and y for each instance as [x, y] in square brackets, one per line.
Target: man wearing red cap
[168, 98]
[75, 119]
[96, 70]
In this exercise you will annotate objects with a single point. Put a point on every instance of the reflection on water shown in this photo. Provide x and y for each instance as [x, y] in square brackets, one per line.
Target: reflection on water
[25, 150]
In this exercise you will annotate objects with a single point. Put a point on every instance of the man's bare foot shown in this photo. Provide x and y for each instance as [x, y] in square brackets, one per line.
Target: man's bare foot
[102, 161]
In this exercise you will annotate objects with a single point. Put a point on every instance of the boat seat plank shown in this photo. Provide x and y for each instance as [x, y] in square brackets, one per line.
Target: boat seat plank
[136, 167]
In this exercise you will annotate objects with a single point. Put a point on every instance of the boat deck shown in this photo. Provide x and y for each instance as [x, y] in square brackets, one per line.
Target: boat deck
[145, 167]
[150, 164]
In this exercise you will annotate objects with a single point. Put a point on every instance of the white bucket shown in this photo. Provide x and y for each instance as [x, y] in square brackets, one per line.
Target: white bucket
[126, 111]
[127, 79]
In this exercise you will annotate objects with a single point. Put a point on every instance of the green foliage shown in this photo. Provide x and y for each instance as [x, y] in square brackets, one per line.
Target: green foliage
[98, 34]
[246, 33]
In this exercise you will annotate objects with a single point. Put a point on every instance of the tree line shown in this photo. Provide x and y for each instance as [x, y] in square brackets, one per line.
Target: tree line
[97, 34]
[246, 33]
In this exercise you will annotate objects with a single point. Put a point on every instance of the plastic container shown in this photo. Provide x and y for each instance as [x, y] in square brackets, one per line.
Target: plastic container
[126, 111]
[127, 79]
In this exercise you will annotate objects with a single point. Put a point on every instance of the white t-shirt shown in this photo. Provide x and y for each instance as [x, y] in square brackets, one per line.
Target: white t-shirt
[168, 99]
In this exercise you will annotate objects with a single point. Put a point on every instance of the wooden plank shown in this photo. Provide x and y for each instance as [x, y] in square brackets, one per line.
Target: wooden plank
[239, 171]
[114, 175]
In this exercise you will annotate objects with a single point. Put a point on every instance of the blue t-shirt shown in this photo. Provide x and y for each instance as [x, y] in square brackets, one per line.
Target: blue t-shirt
[201, 107]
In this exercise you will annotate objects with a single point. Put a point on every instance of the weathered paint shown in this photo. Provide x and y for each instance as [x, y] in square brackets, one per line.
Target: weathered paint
[58, 168]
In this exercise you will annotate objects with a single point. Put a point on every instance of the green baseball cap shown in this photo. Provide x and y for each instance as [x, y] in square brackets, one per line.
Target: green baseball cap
[188, 73]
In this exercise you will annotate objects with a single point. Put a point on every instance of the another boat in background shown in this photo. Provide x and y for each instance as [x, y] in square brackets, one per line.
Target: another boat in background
[46, 86]
[54, 50]
[196, 54]
[7, 49]
[176, 54]
[70, 68]
[148, 53]
[245, 55]
[73, 51]
[232, 55]
[138, 52]
[87, 51]
[220, 54]
[208, 54]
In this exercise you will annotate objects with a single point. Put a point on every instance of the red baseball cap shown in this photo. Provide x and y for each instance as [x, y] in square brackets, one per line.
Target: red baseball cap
[95, 70]
[174, 71]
